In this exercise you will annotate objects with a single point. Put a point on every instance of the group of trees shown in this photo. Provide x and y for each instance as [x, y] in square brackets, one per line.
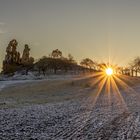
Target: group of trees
[14, 61]
[134, 66]
[88, 63]
[57, 62]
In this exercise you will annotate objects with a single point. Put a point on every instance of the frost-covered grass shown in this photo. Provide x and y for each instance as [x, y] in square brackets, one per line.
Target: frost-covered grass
[36, 76]
[68, 109]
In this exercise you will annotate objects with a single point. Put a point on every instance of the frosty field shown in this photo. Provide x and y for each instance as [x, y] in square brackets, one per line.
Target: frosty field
[71, 108]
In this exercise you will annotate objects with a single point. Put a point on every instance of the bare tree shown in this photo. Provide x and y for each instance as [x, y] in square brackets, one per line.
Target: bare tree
[102, 66]
[135, 66]
[132, 68]
[71, 59]
[88, 63]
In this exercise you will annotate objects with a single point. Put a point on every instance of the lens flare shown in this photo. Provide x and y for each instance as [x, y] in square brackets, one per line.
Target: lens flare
[109, 71]
[110, 83]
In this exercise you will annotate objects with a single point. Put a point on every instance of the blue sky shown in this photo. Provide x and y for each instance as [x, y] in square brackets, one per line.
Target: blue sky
[97, 29]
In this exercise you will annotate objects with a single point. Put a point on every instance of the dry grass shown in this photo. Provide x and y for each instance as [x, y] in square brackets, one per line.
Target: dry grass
[50, 91]
[42, 92]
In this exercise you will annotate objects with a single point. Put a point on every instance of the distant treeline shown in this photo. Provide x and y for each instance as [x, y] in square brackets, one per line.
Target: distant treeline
[55, 62]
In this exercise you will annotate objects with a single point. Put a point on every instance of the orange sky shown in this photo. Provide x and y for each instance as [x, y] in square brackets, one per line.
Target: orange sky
[93, 28]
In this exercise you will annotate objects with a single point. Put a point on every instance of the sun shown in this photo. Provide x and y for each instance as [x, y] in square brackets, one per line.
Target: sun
[109, 71]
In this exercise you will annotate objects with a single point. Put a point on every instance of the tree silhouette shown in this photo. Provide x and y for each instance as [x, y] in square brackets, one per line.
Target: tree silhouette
[102, 66]
[49, 63]
[42, 65]
[12, 58]
[13, 62]
[132, 68]
[88, 63]
[56, 53]
[136, 65]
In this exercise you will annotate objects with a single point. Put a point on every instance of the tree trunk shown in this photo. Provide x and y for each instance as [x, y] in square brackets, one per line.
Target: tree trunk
[44, 72]
[132, 73]
[27, 71]
[136, 73]
[55, 71]
[39, 71]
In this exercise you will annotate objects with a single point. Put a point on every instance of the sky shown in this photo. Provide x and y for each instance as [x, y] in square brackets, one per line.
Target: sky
[97, 29]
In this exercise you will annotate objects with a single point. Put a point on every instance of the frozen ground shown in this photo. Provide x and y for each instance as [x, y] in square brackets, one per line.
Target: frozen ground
[35, 76]
[4, 84]
[18, 78]
[78, 114]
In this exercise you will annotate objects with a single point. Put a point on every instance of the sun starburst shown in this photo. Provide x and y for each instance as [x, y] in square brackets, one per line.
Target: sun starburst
[108, 83]
[109, 71]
